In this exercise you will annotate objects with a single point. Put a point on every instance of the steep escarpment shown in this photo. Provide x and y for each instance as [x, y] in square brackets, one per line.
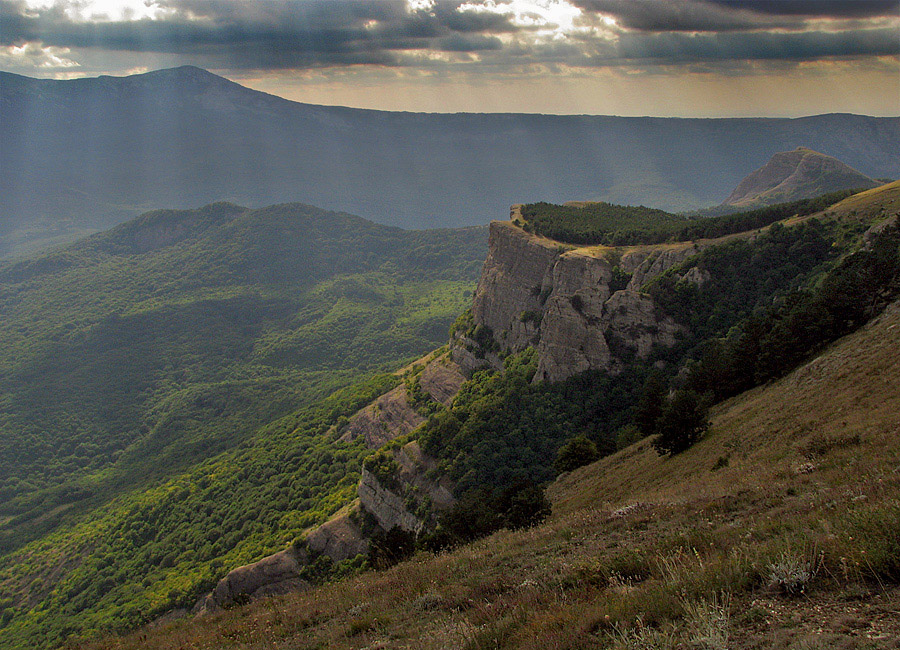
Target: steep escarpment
[582, 309]
[404, 495]
[407, 496]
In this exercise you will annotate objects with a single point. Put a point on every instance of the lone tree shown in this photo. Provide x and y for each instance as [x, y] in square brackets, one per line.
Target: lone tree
[682, 423]
[649, 408]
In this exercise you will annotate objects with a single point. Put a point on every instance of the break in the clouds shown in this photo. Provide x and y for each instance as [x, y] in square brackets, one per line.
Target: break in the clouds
[468, 41]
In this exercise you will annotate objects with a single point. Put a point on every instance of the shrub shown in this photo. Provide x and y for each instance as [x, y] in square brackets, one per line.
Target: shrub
[792, 573]
[575, 453]
[683, 422]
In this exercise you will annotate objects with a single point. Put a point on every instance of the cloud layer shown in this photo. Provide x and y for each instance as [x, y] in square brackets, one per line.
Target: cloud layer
[475, 35]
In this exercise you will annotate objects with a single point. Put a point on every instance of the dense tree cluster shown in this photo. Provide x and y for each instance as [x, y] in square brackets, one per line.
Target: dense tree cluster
[773, 341]
[622, 225]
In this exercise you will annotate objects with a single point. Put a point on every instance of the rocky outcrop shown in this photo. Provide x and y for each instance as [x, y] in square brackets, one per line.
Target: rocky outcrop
[470, 358]
[875, 231]
[658, 262]
[275, 574]
[389, 506]
[572, 339]
[339, 538]
[514, 278]
[631, 319]
[385, 505]
[388, 417]
[533, 292]
[441, 380]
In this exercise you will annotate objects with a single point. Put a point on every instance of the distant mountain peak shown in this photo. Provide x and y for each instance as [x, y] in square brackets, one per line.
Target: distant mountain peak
[798, 174]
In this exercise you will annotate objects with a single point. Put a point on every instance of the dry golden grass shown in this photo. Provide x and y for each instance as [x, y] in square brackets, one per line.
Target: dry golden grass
[644, 552]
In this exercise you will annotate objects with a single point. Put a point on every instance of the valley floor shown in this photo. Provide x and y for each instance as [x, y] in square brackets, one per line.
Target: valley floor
[780, 529]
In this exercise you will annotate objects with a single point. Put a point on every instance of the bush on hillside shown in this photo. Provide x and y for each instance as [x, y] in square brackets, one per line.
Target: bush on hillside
[387, 548]
[479, 512]
[575, 453]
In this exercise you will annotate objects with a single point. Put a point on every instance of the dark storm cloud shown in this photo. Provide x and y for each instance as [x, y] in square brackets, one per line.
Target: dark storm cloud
[800, 46]
[278, 34]
[733, 15]
[817, 8]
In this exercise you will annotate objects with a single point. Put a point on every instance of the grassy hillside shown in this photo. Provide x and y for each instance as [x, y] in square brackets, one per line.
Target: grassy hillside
[130, 359]
[778, 530]
[175, 335]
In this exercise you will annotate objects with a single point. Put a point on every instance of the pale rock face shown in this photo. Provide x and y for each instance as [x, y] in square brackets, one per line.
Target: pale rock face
[441, 379]
[573, 328]
[632, 319]
[632, 260]
[414, 467]
[461, 354]
[515, 272]
[696, 276]
[339, 538]
[388, 417]
[275, 574]
[572, 340]
[388, 507]
[657, 264]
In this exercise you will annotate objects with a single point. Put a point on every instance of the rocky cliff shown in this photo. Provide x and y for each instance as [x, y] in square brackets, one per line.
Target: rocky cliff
[417, 494]
[567, 303]
[339, 538]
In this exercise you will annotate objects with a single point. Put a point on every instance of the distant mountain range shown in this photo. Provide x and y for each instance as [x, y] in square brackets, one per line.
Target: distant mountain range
[794, 175]
[85, 154]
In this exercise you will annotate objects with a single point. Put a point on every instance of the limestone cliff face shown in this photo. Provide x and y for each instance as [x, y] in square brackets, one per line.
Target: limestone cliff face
[340, 538]
[392, 415]
[534, 292]
[385, 505]
[658, 262]
[275, 574]
[388, 417]
[390, 507]
[518, 269]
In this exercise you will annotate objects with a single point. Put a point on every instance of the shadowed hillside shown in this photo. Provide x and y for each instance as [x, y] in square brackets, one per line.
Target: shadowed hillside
[164, 341]
[794, 175]
[89, 153]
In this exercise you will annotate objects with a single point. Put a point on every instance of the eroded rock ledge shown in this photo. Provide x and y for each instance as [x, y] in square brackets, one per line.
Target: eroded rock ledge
[393, 507]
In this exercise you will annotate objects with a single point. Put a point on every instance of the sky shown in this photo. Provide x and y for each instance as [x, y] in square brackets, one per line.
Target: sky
[691, 58]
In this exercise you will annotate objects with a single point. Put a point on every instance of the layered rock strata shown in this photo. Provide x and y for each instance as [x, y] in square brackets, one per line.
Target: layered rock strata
[535, 292]
[339, 538]
[390, 507]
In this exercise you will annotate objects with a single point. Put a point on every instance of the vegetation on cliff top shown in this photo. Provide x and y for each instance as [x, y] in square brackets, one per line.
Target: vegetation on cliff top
[621, 225]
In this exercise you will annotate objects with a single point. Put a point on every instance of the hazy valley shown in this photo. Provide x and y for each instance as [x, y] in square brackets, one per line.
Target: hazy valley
[193, 138]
